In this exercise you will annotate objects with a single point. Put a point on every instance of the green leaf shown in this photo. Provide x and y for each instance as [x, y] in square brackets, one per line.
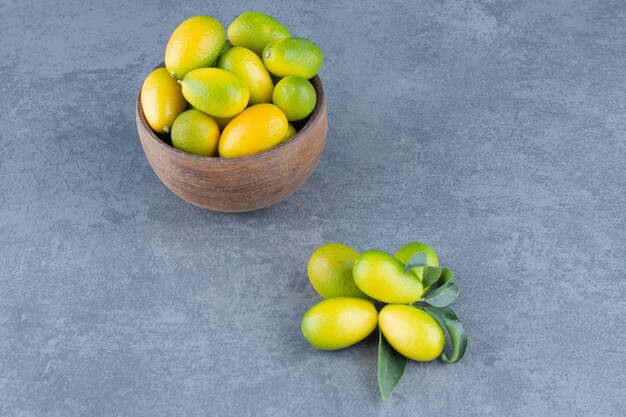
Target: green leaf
[435, 275]
[446, 275]
[430, 275]
[391, 366]
[418, 259]
[442, 296]
[447, 317]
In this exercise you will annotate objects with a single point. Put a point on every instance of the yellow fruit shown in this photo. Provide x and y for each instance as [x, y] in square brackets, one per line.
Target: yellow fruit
[405, 253]
[196, 43]
[249, 67]
[196, 133]
[161, 100]
[215, 91]
[254, 30]
[293, 56]
[256, 129]
[337, 323]
[295, 96]
[412, 332]
[382, 277]
[291, 132]
[330, 271]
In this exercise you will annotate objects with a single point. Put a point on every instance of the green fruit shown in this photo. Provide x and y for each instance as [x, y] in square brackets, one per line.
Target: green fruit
[254, 30]
[249, 67]
[382, 277]
[412, 332]
[291, 132]
[216, 92]
[405, 253]
[196, 43]
[330, 271]
[222, 122]
[293, 56]
[227, 47]
[295, 96]
[337, 323]
[196, 133]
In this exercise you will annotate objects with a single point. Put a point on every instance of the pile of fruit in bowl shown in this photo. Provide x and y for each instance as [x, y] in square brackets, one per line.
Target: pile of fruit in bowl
[236, 96]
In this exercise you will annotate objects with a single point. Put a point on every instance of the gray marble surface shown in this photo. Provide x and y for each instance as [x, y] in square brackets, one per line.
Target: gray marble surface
[493, 130]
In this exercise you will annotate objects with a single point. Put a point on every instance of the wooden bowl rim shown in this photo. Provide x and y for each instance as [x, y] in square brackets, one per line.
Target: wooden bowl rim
[313, 118]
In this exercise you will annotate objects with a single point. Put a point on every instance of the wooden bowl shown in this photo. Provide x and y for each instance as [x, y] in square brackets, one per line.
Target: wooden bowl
[239, 184]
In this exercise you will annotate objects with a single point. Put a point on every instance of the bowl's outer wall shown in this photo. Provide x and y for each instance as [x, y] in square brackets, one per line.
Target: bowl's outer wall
[243, 184]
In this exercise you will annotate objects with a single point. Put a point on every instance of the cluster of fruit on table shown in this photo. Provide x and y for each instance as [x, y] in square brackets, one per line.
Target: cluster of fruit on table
[231, 97]
[351, 283]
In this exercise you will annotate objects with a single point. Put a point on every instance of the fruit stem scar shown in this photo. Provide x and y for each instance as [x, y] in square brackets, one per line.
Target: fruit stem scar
[267, 54]
[166, 129]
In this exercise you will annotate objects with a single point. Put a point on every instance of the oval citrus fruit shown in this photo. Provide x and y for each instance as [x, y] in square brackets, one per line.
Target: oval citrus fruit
[293, 56]
[337, 323]
[254, 30]
[196, 43]
[412, 332]
[196, 133]
[161, 100]
[330, 271]
[382, 277]
[215, 91]
[295, 96]
[249, 67]
[256, 129]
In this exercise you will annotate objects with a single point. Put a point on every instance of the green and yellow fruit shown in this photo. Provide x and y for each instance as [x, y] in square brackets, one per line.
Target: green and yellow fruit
[330, 271]
[405, 253]
[221, 121]
[337, 323]
[291, 132]
[161, 100]
[196, 43]
[254, 30]
[249, 67]
[215, 91]
[412, 332]
[382, 277]
[196, 133]
[227, 47]
[293, 56]
[256, 129]
[295, 96]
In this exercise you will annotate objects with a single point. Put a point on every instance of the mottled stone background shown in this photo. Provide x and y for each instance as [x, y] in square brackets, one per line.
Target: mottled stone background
[493, 130]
